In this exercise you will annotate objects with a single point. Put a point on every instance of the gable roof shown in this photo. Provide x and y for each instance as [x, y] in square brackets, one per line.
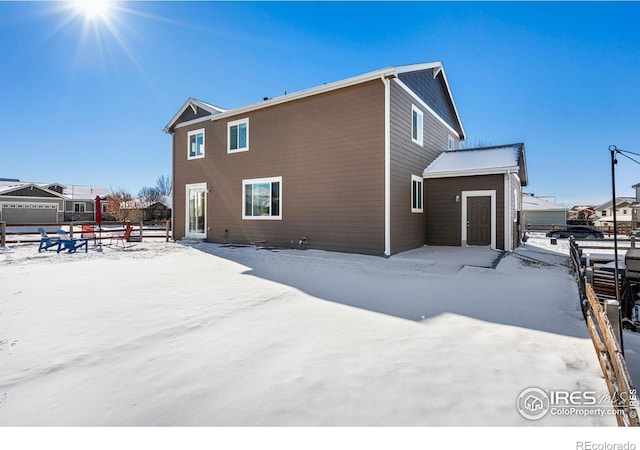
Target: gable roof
[619, 201]
[73, 192]
[194, 104]
[531, 203]
[389, 72]
[15, 187]
[480, 161]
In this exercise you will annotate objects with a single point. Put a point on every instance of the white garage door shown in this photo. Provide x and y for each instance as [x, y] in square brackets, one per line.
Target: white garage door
[23, 212]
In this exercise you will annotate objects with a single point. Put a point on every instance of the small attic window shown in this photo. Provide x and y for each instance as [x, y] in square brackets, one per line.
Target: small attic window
[451, 143]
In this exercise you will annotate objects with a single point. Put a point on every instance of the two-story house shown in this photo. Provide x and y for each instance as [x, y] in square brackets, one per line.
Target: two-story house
[624, 211]
[369, 164]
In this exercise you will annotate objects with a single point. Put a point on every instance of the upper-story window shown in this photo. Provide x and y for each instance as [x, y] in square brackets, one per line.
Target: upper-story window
[238, 136]
[451, 144]
[416, 125]
[196, 144]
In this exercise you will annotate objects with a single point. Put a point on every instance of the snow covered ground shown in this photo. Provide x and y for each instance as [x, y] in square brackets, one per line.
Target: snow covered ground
[200, 334]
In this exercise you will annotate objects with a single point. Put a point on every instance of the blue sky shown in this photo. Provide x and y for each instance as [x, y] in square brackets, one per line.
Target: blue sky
[85, 102]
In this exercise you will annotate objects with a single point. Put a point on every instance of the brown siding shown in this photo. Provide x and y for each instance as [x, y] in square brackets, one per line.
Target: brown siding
[409, 158]
[329, 151]
[445, 215]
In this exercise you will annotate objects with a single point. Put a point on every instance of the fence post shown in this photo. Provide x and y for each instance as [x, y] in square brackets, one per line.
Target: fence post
[633, 242]
[141, 227]
[167, 224]
[612, 309]
[589, 273]
[3, 234]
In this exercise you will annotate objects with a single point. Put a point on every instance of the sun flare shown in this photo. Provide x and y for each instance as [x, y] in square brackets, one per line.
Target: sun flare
[92, 9]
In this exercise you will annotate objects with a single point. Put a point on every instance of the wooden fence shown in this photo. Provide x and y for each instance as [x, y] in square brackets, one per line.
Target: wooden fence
[602, 316]
[604, 335]
[25, 233]
[623, 228]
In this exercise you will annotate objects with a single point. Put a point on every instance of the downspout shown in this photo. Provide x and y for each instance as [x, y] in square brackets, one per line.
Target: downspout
[508, 224]
[387, 165]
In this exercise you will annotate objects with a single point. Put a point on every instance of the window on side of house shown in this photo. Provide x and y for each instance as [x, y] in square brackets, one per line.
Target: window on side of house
[451, 143]
[79, 207]
[262, 198]
[416, 194]
[416, 125]
[195, 144]
[238, 136]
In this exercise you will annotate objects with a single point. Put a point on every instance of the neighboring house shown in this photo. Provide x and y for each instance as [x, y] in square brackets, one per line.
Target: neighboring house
[152, 210]
[26, 202]
[604, 213]
[582, 212]
[539, 213]
[341, 165]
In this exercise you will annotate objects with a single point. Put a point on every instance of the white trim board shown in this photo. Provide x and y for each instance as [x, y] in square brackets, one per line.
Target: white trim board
[387, 166]
[463, 224]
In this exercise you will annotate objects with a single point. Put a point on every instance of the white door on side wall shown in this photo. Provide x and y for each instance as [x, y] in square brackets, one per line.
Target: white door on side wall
[196, 211]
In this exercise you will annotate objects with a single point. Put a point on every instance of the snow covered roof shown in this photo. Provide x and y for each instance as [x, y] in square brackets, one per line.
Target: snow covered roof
[531, 203]
[70, 192]
[480, 161]
[619, 201]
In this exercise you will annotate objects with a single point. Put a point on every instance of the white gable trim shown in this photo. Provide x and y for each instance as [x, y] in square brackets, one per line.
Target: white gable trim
[32, 185]
[193, 104]
[425, 106]
[193, 122]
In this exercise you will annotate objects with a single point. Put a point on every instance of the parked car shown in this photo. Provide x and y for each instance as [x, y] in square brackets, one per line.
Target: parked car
[577, 232]
[635, 233]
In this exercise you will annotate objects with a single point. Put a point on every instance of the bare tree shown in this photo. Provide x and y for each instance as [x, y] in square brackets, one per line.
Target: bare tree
[476, 143]
[164, 185]
[148, 196]
[121, 206]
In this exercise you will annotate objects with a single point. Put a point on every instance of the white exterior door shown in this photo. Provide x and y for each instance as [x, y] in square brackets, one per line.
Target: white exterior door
[196, 211]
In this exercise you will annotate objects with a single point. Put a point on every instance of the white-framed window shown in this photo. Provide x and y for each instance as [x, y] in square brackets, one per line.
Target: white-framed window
[79, 207]
[195, 144]
[451, 143]
[416, 194]
[238, 136]
[416, 125]
[262, 198]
